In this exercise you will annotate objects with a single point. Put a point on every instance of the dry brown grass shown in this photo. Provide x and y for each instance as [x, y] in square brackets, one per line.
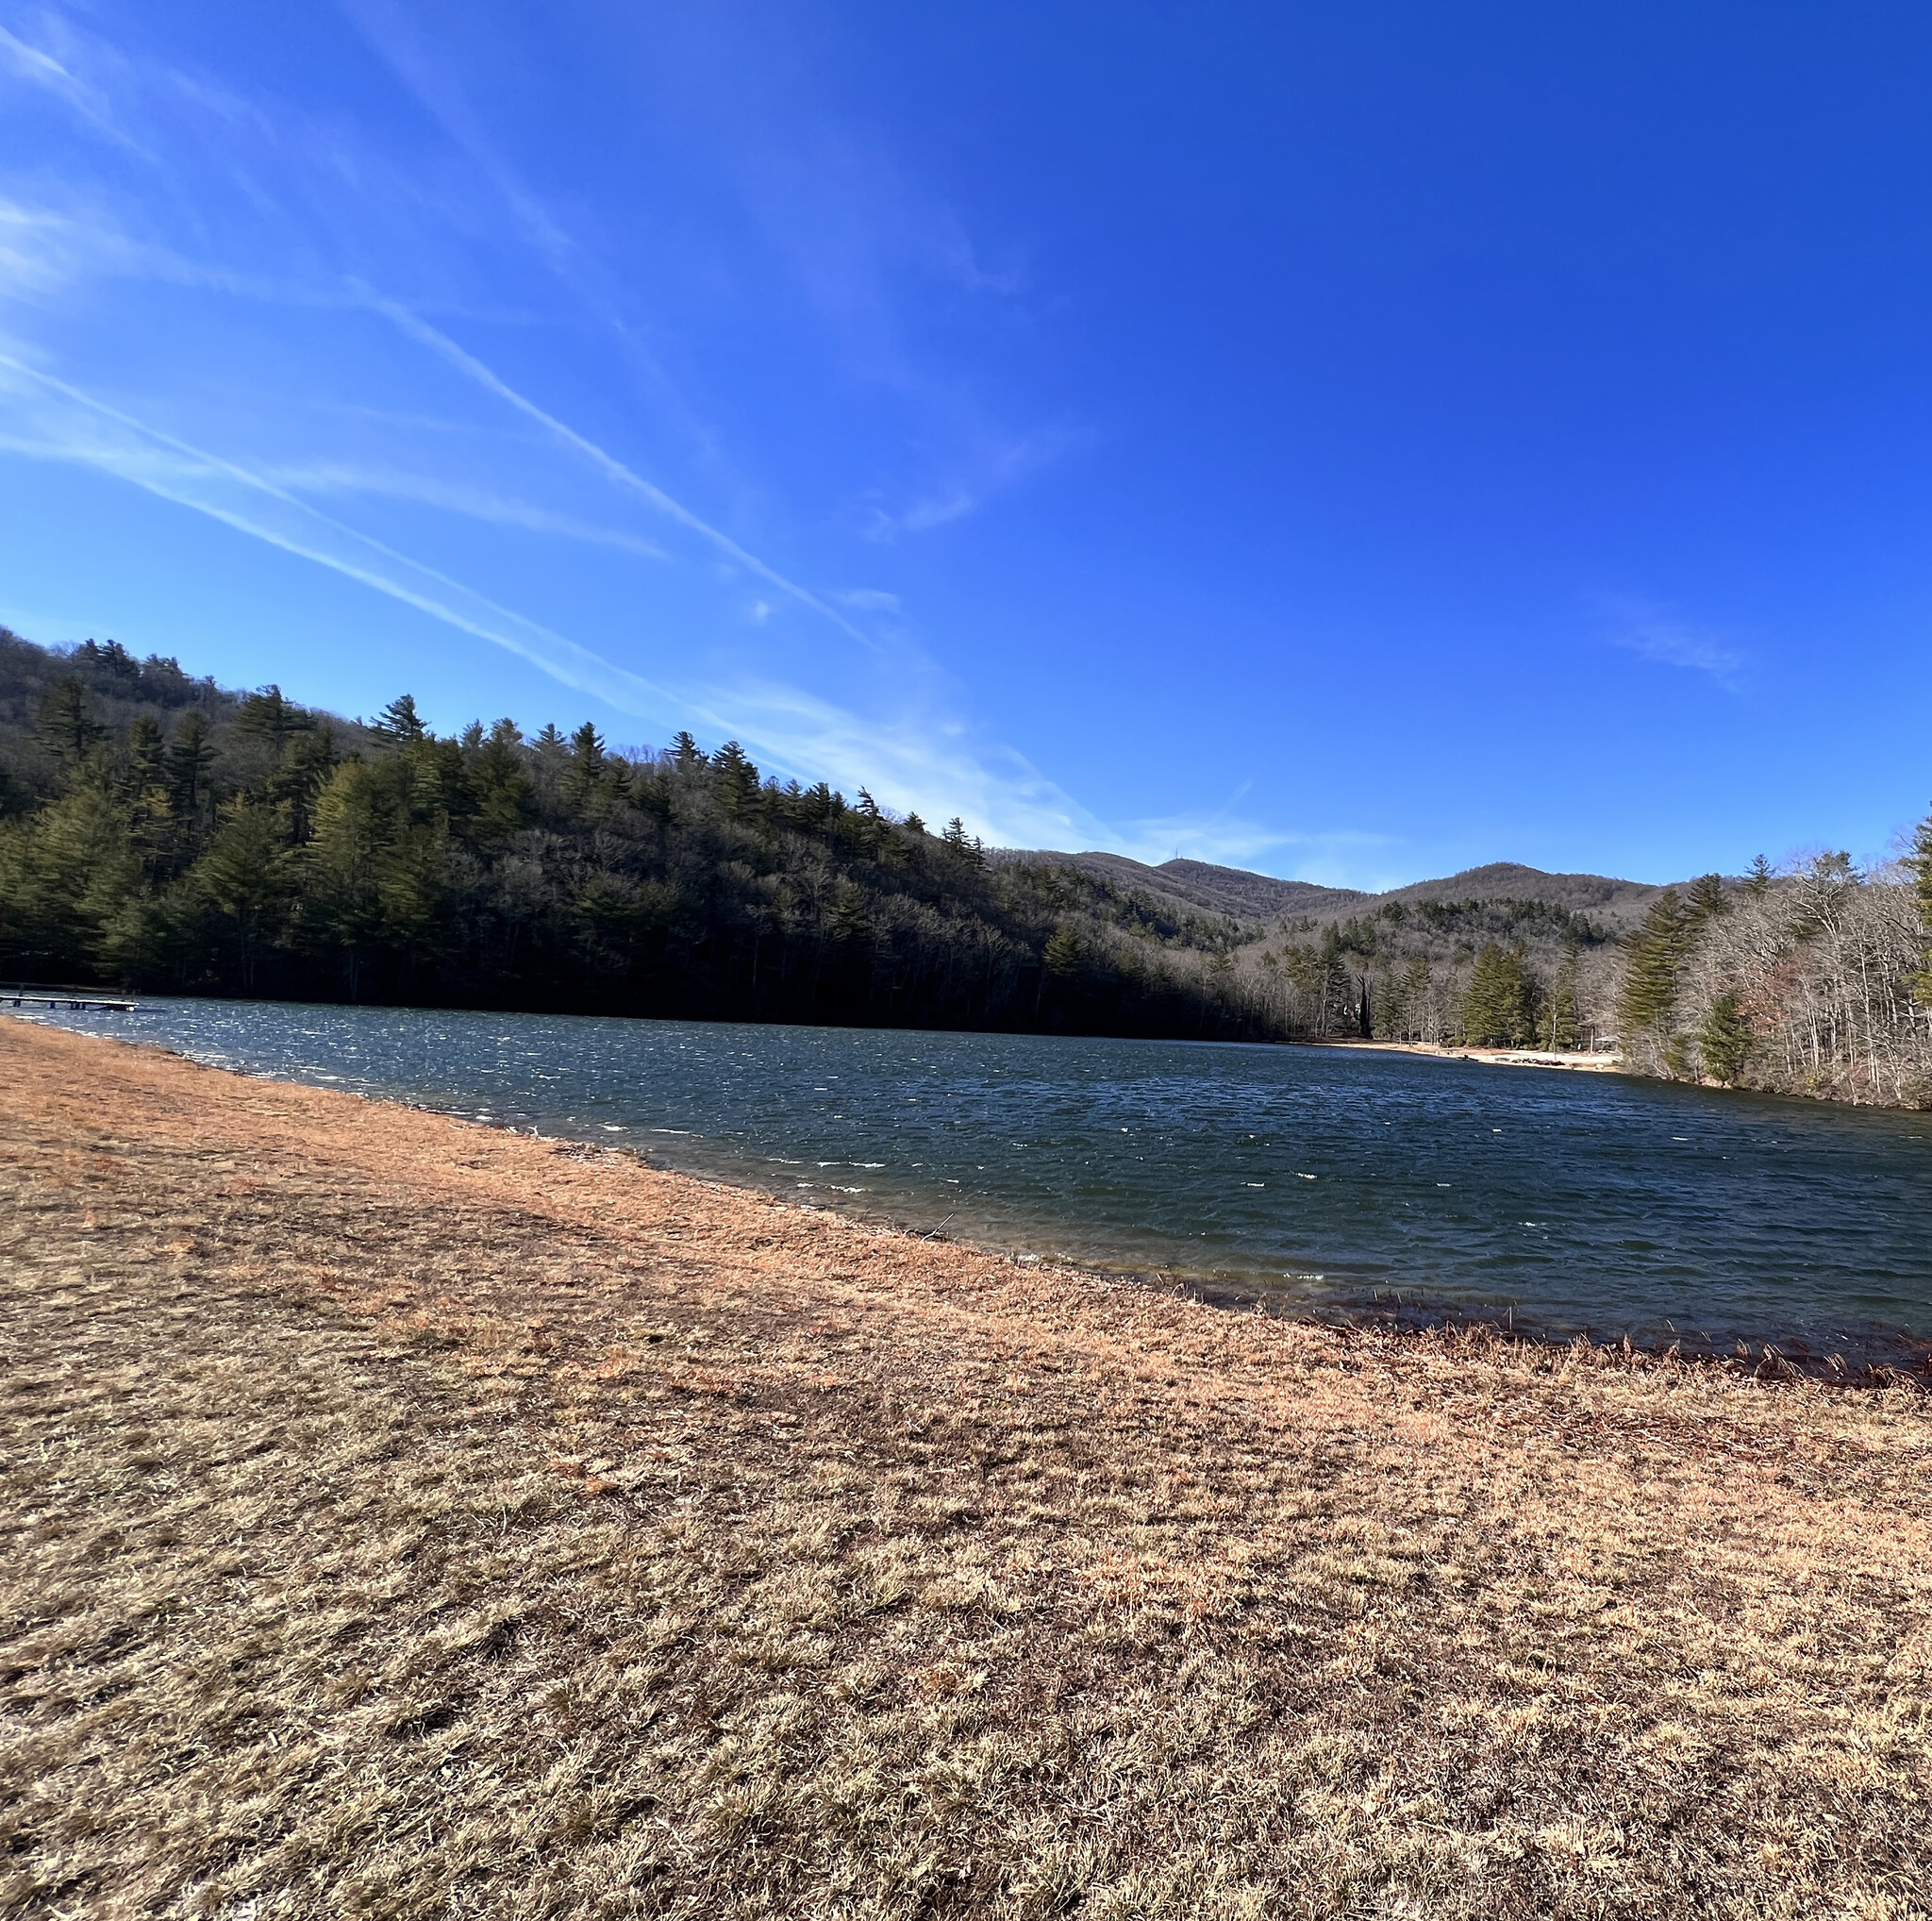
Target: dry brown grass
[408, 1519]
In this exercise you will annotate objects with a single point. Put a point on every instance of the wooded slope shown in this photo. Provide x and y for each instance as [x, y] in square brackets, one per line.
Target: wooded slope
[160, 832]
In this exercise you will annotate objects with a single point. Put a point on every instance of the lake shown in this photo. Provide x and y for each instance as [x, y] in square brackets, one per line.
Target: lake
[1332, 1181]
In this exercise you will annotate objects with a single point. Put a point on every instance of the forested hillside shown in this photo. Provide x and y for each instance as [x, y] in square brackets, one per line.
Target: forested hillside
[1500, 956]
[1817, 981]
[158, 832]
[162, 833]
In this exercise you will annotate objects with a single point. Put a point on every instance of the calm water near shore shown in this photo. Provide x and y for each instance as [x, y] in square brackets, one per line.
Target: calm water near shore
[1335, 1181]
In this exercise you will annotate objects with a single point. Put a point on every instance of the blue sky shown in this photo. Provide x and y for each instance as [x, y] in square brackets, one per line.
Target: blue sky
[1352, 441]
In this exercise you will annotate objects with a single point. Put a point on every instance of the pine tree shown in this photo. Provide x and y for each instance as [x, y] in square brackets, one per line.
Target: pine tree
[1920, 864]
[1708, 900]
[849, 919]
[589, 766]
[1063, 953]
[586, 750]
[110, 659]
[506, 801]
[247, 878]
[738, 778]
[1497, 1008]
[70, 872]
[309, 758]
[1758, 882]
[1417, 983]
[399, 721]
[68, 729]
[341, 914]
[146, 755]
[1724, 1040]
[1653, 970]
[966, 852]
[266, 715]
[190, 767]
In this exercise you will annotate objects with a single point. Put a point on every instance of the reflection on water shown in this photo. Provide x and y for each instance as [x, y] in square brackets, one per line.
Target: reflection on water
[1326, 1177]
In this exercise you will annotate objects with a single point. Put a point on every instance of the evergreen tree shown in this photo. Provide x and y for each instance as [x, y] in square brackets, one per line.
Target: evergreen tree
[341, 909]
[1496, 1007]
[67, 875]
[849, 920]
[267, 716]
[1336, 989]
[191, 769]
[68, 729]
[111, 662]
[1418, 984]
[738, 778]
[1758, 882]
[246, 878]
[1724, 1040]
[146, 755]
[1062, 952]
[586, 750]
[1708, 897]
[505, 799]
[1920, 864]
[1653, 971]
[589, 766]
[966, 853]
[309, 758]
[399, 720]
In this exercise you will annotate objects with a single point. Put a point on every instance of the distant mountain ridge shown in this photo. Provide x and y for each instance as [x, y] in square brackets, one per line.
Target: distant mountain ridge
[1200, 887]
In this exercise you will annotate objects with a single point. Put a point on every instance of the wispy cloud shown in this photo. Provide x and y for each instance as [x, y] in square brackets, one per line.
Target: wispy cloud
[40, 68]
[347, 478]
[76, 427]
[913, 760]
[605, 463]
[432, 80]
[985, 473]
[254, 200]
[1654, 633]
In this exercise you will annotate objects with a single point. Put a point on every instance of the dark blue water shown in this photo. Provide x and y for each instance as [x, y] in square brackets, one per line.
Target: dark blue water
[1329, 1177]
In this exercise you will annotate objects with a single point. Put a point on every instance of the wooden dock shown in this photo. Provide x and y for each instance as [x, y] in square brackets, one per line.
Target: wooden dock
[64, 1003]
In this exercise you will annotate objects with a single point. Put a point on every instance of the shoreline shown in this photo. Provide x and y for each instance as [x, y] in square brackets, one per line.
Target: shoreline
[403, 1514]
[1489, 1057]
[1881, 1356]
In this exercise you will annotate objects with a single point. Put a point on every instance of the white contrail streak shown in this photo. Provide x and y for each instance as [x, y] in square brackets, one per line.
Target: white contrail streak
[319, 540]
[608, 464]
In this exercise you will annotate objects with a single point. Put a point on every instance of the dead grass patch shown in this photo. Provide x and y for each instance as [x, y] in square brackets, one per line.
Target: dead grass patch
[404, 1519]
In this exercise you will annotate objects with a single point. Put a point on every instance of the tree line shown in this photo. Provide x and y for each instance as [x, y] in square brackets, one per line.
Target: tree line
[1817, 981]
[1475, 974]
[159, 833]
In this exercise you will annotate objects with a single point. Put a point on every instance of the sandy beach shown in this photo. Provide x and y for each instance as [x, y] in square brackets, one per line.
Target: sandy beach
[409, 1518]
[1492, 1056]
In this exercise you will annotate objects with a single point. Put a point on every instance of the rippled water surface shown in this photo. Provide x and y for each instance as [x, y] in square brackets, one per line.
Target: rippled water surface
[1332, 1177]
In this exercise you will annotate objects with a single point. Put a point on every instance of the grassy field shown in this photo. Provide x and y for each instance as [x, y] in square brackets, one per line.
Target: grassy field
[408, 1519]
